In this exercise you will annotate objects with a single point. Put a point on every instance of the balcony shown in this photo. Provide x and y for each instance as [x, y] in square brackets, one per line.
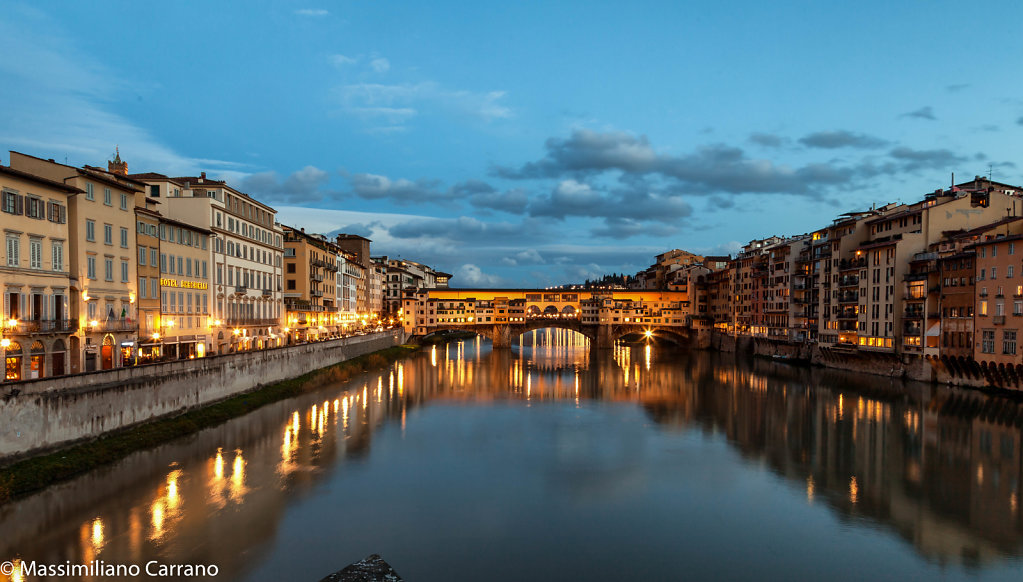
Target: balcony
[913, 329]
[240, 289]
[848, 297]
[848, 281]
[849, 264]
[114, 325]
[242, 321]
[998, 320]
[316, 293]
[847, 314]
[42, 327]
[267, 292]
[913, 314]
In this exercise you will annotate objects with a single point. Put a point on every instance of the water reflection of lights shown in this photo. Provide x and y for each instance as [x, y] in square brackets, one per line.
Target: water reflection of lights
[97, 533]
[854, 490]
[16, 575]
[433, 356]
[218, 464]
[237, 489]
[810, 489]
[646, 351]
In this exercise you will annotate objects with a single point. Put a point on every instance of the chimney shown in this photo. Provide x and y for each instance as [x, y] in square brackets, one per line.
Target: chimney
[202, 176]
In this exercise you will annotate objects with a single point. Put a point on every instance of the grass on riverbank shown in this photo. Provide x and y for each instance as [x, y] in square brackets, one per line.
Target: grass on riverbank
[443, 338]
[36, 473]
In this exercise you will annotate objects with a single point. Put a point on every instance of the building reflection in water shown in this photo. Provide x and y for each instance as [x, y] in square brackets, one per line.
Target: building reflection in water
[939, 467]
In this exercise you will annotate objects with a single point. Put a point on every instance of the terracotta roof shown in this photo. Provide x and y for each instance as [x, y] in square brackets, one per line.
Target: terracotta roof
[39, 180]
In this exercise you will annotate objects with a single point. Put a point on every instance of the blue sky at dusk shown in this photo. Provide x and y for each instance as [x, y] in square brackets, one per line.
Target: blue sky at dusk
[529, 143]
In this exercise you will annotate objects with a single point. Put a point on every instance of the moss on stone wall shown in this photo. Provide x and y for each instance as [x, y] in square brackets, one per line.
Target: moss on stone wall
[36, 473]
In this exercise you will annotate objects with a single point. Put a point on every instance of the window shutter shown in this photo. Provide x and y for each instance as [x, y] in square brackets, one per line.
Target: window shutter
[19, 204]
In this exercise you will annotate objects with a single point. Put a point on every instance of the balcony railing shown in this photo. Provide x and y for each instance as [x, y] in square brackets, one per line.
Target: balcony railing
[236, 321]
[240, 289]
[114, 325]
[914, 314]
[42, 326]
[852, 264]
[998, 320]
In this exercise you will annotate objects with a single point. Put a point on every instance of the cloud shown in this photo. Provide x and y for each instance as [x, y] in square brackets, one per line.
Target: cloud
[922, 113]
[767, 140]
[461, 229]
[301, 186]
[622, 228]
[342, 60]
[1019, 121]
[311, 12]
[513, 201]
[380, 64]
[911, 159]
[841, 139]
[61, 103]
[469, 275]
[527, 257]
[367, 100]
[400, 191]
[955, 88]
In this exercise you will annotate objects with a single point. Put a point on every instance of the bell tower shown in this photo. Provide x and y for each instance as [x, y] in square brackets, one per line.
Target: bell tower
[116, 166]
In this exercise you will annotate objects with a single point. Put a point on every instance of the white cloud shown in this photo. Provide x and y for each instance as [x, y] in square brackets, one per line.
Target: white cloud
[60, 104]
[469, 275]
[380, 64]
[311, 12]
[341, 60]
[409, 99]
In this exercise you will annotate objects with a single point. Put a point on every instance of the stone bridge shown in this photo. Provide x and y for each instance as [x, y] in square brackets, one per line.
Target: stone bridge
[603, 316]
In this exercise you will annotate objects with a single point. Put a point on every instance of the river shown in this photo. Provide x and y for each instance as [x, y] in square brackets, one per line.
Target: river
[555, 462]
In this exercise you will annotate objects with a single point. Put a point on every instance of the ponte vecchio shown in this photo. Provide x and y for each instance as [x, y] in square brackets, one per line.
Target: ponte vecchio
[602, 315]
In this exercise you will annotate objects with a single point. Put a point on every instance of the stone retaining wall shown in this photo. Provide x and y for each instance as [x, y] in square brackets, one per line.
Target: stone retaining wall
[51, 412]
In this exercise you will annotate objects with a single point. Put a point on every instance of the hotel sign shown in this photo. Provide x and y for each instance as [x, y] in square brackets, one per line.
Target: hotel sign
[184, 284]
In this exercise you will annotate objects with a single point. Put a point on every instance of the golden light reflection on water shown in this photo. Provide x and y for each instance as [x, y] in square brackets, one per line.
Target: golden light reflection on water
[764, 414]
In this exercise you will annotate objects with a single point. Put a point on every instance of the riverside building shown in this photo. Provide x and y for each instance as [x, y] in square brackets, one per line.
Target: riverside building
[102, 260]
[34, 276]
[245, 257]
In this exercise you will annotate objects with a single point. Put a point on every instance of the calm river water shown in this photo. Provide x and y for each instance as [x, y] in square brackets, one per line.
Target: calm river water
[557, 463]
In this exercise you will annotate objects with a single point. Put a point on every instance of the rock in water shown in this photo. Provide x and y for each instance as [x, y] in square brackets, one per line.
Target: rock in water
[372, 569]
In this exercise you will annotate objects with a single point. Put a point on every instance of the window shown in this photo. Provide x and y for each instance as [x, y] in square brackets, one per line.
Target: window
[107, 197]
[13, 250]
[987, 344]
[154, 190]
[994, 270]
[12, 203]
[154, 287]
[142, 287]
[124, 271]
[90, 230]
[89, 195]
[108, 269]
[153, 258]
[35, 208]
[58, 256]
[108, 234]
[124, 202]
[291, 283]
[142, 256]
[1008, 342]
[124, 238]
[170, 265]
[92, 267]
[35, 253]
[180, 271]
[291, 267]
[1010, 271]
[1012, 251]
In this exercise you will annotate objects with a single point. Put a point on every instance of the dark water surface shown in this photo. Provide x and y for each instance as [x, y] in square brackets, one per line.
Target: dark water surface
[557, 463]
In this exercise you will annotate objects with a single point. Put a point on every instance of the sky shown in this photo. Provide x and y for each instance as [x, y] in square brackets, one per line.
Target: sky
[529, 144]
